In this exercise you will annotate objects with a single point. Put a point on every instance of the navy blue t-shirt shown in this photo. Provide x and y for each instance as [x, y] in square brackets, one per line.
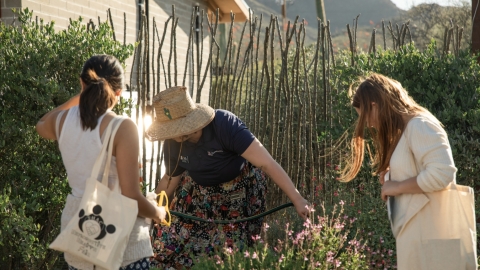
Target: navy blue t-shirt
[215, 158]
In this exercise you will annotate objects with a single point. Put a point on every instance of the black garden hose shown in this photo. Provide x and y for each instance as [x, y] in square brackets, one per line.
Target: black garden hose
[182, 215]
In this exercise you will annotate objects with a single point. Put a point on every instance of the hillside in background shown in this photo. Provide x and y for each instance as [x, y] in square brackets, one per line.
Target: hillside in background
[338, 12]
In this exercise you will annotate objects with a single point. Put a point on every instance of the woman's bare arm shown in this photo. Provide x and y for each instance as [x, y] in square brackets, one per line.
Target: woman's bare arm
[126, 152]
[260, 158]
[46, 125]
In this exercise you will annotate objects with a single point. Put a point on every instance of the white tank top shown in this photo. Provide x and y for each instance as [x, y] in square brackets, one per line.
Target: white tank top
[79, 149]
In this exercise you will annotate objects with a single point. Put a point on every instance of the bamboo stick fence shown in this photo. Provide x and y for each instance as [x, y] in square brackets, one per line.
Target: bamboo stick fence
[279, 88]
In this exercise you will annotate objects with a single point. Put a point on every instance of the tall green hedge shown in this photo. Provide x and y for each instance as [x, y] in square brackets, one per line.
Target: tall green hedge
[446, 85]
[39, 70]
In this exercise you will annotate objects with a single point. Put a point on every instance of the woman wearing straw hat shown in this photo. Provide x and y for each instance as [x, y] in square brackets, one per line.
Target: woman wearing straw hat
[215, 169]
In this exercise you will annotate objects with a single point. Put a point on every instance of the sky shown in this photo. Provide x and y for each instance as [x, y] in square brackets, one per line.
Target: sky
[407, 4]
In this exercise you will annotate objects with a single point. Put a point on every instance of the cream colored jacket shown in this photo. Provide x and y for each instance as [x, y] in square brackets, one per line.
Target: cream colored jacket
[424, 151]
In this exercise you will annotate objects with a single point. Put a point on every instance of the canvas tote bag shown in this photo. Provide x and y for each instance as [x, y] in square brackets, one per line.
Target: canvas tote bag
[444, 224]
[99, 232]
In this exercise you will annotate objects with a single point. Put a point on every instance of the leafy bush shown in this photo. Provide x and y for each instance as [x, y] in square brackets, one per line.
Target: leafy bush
[39, 70]
[445, 85]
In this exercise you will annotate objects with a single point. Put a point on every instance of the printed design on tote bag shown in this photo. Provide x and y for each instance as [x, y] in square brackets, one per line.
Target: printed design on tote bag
[94, 224]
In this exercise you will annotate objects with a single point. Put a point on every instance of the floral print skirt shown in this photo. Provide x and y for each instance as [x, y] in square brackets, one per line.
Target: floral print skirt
[185, 240]
[142, 264]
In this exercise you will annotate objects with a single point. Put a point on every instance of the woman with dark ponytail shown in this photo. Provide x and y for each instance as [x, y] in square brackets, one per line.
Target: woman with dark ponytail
[78, 125]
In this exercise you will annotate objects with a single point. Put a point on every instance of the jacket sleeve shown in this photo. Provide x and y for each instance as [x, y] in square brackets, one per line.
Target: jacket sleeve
[429, 144]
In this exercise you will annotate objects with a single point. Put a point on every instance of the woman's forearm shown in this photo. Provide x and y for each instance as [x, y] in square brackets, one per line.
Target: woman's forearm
[409, 186]
[46, 125]
[145, 208]
[395, 188]
[65, 106]
[260, 158]
[280, 177]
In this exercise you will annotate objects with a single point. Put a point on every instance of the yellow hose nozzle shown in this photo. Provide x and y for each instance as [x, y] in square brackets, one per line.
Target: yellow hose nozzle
[160, 198]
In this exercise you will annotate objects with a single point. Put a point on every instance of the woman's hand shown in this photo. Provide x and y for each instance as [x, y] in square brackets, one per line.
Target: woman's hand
[390, 188]
[160, 214]
[303, 208]
[395, 188]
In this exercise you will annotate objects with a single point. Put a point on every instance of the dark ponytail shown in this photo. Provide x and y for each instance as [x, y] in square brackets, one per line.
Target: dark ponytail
[102, 76]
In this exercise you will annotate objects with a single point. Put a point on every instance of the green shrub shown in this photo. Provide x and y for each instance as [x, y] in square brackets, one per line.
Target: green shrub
[445, 85]
[39, 70]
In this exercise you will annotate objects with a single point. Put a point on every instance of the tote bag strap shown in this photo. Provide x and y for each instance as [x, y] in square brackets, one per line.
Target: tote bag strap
[57, 124]
[101, 155]
[116, 125]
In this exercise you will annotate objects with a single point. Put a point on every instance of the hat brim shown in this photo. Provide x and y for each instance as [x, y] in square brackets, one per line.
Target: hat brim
[192, 122]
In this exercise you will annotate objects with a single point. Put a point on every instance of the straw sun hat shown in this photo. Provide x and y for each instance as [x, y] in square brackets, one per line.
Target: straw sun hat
[176, 115]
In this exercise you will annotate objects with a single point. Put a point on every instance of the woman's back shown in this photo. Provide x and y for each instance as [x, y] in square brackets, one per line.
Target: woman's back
[79, 149]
